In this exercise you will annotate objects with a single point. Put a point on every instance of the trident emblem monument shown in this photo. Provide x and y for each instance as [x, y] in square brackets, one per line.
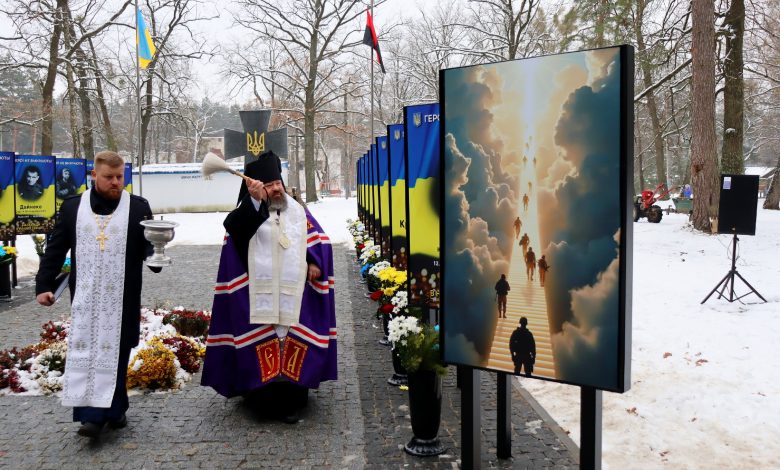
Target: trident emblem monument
[255, 139]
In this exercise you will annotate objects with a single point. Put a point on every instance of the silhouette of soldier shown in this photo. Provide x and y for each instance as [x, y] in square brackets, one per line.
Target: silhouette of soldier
[525, 201]
[502, 290]
[523, 348]
[518, 225]
[543, 267]
[524, 241]
[530, 263]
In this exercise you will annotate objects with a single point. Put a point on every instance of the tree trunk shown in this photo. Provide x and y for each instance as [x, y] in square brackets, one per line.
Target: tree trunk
[652, 108]
[105, 117]
[47, 90]
[639, 180]
[345, 167]
[704, 156]
[309, 111]
[732, 160]
[78, 64]
[70, 95]
[74, 119]
[87, 139]
[309, 163]
[772, 200]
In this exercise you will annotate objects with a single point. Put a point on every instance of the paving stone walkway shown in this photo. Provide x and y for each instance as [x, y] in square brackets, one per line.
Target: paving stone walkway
[356, 422]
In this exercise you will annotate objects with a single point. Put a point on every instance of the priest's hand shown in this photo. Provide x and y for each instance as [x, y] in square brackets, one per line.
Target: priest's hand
[45, 298]
[314, 272]
[256, 189]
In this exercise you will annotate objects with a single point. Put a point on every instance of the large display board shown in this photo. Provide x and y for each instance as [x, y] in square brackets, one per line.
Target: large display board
[384, 195]
[421, 125]
[34, 194]
[7, 199]
[395, 137]
[71, 178]
[536, 177]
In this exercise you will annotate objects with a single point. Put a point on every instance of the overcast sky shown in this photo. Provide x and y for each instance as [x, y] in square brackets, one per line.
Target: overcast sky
[222, 30]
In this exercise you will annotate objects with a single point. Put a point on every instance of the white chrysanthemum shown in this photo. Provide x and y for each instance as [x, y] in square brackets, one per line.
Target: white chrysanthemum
[377, 268]
[400, 328]
[400, 301]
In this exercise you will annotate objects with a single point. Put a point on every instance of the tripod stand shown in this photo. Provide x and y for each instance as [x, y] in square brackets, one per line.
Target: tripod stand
[728, 279]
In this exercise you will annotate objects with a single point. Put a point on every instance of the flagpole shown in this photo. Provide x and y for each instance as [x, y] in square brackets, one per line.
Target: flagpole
[371, 59]
[138, 100]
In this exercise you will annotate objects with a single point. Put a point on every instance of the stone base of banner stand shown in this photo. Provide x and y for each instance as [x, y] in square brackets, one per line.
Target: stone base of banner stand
[398, 379]
[6, 290]
[424, 447]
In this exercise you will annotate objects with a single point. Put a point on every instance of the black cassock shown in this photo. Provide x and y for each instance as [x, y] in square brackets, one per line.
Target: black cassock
[62, 239]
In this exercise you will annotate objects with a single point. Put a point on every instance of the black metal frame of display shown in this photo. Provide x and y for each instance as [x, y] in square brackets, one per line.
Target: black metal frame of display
[591, 397]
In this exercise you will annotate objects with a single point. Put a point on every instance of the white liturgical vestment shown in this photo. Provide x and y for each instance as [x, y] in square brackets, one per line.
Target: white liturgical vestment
[96, 324]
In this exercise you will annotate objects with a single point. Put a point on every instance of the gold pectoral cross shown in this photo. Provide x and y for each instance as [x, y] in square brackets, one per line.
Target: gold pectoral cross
[101, 238]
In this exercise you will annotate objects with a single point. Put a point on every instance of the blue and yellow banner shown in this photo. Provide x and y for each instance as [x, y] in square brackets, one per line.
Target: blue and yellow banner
[421, 124]
[34, 194]
[384, 195]
[395, 138]
[7, 196]
[143, 40]
[129, 178]
[357, 187]
[362, 188]
[90, 166]
[376, 204]
[70, 180]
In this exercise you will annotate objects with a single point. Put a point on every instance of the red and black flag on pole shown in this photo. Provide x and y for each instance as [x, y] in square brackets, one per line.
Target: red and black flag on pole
[370, 39]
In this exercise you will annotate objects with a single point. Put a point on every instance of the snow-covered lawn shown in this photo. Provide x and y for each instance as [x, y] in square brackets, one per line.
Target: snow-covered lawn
[705, 378]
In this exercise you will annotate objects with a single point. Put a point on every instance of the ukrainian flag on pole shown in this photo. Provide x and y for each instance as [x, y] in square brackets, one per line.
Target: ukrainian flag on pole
[143, 40]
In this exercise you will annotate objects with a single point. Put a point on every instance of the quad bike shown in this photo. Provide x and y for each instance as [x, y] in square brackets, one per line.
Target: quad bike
[644, 204]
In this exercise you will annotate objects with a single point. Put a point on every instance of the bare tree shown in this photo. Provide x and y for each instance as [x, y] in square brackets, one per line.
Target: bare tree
[704, 156]
[500, 29]
[311, 34]
[732, 160]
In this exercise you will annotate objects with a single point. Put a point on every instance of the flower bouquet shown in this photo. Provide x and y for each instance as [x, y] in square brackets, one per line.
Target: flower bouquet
[7, 254]
[417, 344]
[40, 244]
[188, 322]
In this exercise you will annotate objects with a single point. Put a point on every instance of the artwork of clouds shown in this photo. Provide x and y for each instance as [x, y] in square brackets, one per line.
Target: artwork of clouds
[555, 122]
[580, 218]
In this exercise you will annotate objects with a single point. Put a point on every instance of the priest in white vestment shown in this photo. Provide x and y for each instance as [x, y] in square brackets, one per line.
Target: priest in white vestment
[101, 229]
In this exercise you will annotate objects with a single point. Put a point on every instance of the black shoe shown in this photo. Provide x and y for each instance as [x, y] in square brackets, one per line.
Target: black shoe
[90, 430]
[118, 424]
[291, 417]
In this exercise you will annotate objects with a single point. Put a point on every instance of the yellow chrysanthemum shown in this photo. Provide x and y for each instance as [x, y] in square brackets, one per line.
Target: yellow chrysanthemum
[152, 368]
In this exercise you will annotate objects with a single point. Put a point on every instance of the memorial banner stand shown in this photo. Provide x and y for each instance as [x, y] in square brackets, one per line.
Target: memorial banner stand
[590, 428]
[504, 418]
[471, 419]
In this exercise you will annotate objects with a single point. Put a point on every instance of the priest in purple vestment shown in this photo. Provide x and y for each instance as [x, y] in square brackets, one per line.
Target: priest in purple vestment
[273, 326]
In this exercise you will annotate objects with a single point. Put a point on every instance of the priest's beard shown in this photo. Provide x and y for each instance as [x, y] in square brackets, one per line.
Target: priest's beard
[279, 204]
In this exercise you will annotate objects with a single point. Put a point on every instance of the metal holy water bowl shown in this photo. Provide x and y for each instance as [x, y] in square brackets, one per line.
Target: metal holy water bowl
[159, 233]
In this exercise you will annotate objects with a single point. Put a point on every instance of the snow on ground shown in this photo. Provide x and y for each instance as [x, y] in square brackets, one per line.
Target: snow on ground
[207, 229]
[704, 377]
